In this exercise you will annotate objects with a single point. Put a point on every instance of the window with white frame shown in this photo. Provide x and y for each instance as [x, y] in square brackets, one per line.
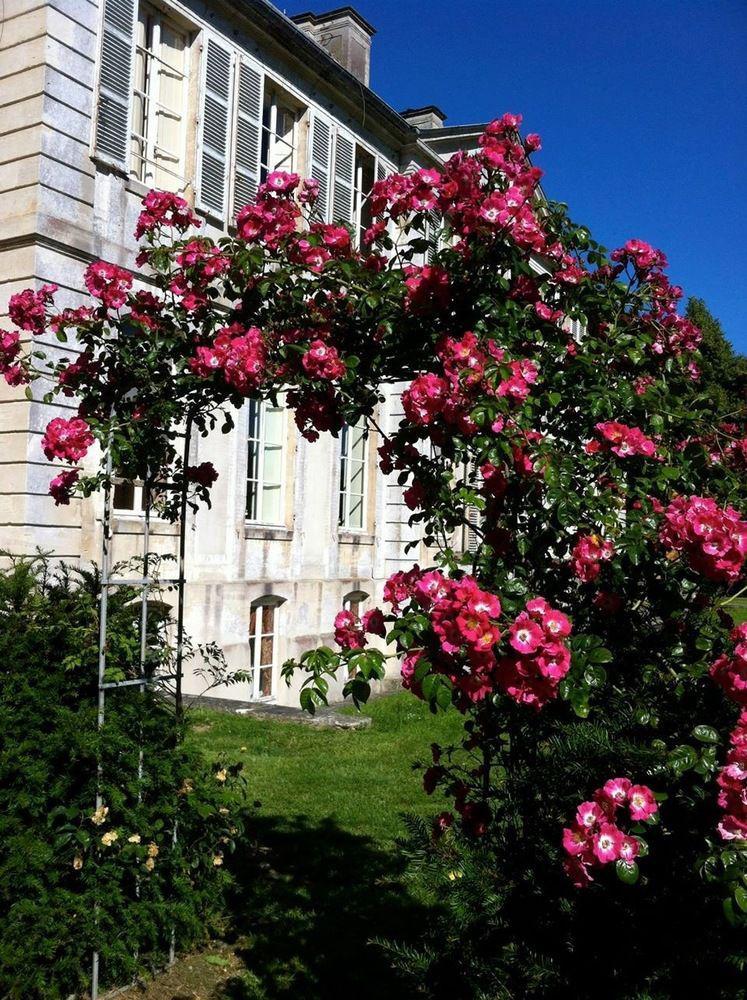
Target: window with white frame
[160, 82]
[265, 462]
[280, 116]
[263, 634]
[365, 175]
[353, 449]
[128, 497]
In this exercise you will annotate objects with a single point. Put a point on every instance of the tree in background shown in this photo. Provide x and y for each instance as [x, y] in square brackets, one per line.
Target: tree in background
[724, 371]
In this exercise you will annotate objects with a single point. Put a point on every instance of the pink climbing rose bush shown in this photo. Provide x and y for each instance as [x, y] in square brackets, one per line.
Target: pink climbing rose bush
[580, 508]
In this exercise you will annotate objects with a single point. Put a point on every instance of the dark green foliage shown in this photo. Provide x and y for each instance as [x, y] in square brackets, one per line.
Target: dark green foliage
[61, 889]
[724, 372]
[508, 925]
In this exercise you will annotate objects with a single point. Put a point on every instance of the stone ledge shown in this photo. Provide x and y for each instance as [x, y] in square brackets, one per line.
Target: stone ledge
[324, 718]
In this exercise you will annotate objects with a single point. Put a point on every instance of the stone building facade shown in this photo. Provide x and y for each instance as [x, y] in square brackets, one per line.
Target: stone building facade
[103, 100]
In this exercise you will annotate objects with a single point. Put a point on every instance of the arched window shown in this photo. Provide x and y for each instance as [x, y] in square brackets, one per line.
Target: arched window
[354, 600]
[263, 656]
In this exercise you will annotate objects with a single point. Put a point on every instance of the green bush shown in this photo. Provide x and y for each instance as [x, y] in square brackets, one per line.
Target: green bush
[71, 880]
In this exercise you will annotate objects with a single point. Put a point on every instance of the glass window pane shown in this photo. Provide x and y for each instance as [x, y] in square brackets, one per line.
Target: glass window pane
[356, 478]
[265, 682]
[254, 410]
[268, 619]
[273, 470]
[124, 496]
[358, 444]
[265, 652]
[355, 519]
[273, 425]
[271, 508]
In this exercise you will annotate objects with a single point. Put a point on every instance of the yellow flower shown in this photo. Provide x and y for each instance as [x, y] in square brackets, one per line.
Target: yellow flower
[134, 838]
[109, 837]
[100, 815]
[150, 864]
[77, 862]
[452, 876]
[242, 749]
[672, 555]
[152, 850]
[221, 775]
[217, 860]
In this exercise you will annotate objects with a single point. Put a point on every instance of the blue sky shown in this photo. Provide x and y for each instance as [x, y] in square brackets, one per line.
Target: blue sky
[642, 108]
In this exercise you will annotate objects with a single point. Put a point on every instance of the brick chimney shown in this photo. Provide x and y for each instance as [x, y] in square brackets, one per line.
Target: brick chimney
[344, 34]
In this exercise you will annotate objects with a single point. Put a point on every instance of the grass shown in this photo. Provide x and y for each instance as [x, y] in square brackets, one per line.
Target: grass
[324, 877]
[362, 780]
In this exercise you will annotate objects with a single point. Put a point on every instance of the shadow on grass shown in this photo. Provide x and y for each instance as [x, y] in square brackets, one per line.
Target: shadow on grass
[308, 902]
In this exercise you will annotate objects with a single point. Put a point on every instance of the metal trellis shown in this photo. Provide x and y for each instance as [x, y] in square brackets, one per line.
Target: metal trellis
[146, 583]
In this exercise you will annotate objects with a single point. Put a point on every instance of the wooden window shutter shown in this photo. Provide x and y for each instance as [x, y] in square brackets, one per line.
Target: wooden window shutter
[114, 112]
[321, 142]
[249, 101]
[215, 116]
[342, 192]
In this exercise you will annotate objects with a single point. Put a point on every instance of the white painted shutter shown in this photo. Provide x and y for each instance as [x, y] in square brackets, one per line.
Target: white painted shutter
[432, 228]
[475, 517]
[114, 113]
[321, 142]
[342, 192]
[249, 101]
[214, 129]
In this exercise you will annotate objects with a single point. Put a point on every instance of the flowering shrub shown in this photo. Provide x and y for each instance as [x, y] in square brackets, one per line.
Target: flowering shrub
[553, 416]
[596, 839]
[75, 877]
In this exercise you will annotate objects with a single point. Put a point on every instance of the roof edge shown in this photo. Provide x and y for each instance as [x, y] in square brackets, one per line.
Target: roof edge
[328, 15]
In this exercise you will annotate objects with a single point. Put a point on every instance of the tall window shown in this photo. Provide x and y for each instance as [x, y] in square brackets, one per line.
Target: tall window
[354, 600]
[128, 497]
[365, 174]
[262, 646]
[159, 101]
[265, 461]
[279, 119]
[353, 447]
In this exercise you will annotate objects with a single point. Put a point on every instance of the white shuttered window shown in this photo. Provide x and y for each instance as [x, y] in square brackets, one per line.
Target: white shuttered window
[319, 169]
[248, 133]
[343, 208]
[112, 138]
[159, 100]
[215, 116]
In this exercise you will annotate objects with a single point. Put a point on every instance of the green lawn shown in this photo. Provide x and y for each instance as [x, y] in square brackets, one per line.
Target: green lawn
[325, 877]
[362, 780]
